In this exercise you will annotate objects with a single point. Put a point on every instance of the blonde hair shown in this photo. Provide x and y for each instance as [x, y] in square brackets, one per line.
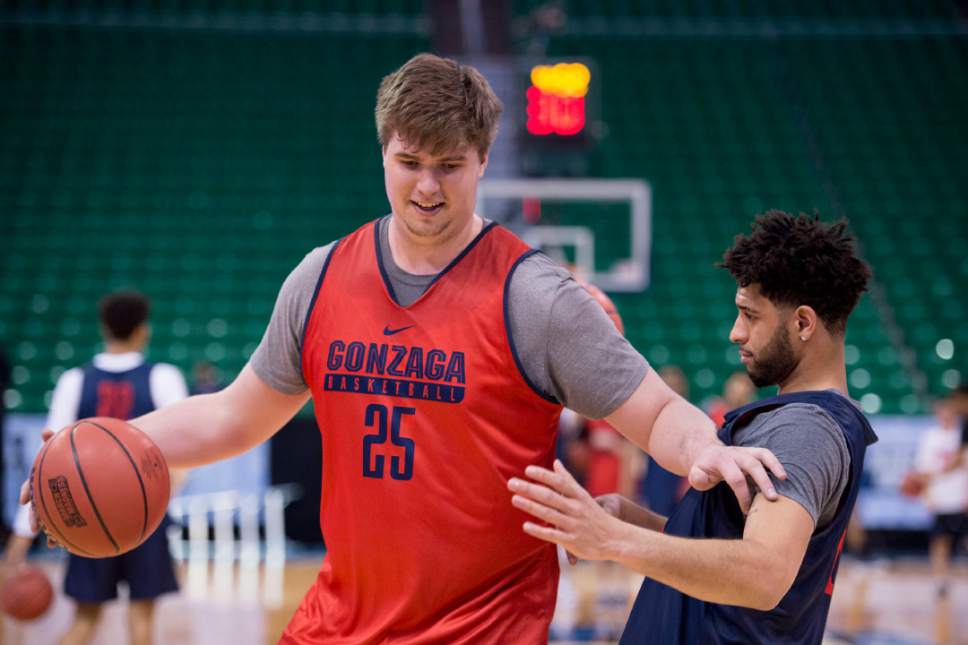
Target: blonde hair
[437, 104]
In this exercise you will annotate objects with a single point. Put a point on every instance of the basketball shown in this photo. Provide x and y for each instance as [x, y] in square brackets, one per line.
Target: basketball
[912, 484]
[100, 487]
[26, 594]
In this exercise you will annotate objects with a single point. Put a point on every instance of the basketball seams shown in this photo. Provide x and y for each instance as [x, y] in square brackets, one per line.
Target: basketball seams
[115, 509]
[61, 537]
[87, 491]
[137, 472]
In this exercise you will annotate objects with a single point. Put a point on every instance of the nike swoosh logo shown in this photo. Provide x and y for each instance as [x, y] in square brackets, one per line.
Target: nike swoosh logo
[390, 332]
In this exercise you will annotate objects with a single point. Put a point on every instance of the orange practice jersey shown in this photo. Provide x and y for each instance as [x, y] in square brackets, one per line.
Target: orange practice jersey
[424, 415]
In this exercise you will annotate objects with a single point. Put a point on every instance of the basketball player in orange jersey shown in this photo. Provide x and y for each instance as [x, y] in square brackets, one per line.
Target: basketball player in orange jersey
[438, 350]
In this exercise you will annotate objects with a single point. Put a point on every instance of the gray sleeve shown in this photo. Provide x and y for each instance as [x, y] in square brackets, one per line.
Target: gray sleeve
[276, 359]
[568, 346]
[813, 451]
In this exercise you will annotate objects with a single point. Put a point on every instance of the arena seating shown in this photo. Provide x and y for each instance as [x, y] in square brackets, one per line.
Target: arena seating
[197, 167]
[201, 166]
[590, 10]
[724, 128]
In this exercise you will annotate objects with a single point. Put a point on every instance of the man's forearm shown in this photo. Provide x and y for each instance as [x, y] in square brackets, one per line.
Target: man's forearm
[680, 433]
[209, 427]
[17, 548]
[731, 572]
[664, 424]
[192, 432]
[641, 516]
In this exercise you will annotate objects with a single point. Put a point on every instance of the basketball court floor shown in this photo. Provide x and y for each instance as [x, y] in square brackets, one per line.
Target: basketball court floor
[879, 603]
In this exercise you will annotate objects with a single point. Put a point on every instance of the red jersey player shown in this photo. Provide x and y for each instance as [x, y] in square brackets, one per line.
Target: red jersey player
[438, 350]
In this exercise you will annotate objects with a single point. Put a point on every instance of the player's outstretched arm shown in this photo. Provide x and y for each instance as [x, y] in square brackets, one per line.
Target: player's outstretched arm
[683, 440]
[209, 427]
[664, 424]
[755, 571]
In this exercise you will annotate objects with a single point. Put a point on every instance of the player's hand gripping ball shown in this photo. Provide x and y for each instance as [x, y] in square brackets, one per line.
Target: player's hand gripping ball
[100, 487]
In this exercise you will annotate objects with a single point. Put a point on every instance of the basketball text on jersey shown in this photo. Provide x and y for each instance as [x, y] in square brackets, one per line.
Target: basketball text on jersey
[395, 370]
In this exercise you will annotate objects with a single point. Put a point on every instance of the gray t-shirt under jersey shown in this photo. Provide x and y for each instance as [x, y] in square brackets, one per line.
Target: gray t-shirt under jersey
[813, 451]
[568, 346]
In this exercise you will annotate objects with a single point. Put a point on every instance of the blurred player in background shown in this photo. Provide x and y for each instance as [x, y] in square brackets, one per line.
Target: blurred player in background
[117, 383]
[614, 464]
[438, 351]
[766, 576]
[205, 378]
[942, 466]
[738, 391]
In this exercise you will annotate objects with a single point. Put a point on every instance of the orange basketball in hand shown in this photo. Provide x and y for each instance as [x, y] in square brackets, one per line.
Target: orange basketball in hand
[26, 594]
[100, 487]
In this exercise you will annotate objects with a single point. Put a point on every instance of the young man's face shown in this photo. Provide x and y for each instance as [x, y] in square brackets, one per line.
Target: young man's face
[434, 196]
[762, 330]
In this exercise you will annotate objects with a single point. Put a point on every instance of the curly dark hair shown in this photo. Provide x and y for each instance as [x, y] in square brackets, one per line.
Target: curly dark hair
[799, 260]
[121, 313]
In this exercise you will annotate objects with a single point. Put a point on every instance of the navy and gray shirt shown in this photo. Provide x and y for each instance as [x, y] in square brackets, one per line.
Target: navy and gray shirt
[820, 438]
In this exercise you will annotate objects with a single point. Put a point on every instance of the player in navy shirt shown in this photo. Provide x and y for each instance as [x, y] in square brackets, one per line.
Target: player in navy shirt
[117, 383]
[715, 574]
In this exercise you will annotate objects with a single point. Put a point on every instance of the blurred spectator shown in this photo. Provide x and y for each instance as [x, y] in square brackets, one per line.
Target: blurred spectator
[205, 378]
[608, 462]
[615, 464]
[676, 379]
[737, 392]
[941, 462]
[959, 402]
[661, 489]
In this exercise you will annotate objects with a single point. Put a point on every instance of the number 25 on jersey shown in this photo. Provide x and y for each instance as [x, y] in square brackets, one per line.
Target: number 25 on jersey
[374, 463]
